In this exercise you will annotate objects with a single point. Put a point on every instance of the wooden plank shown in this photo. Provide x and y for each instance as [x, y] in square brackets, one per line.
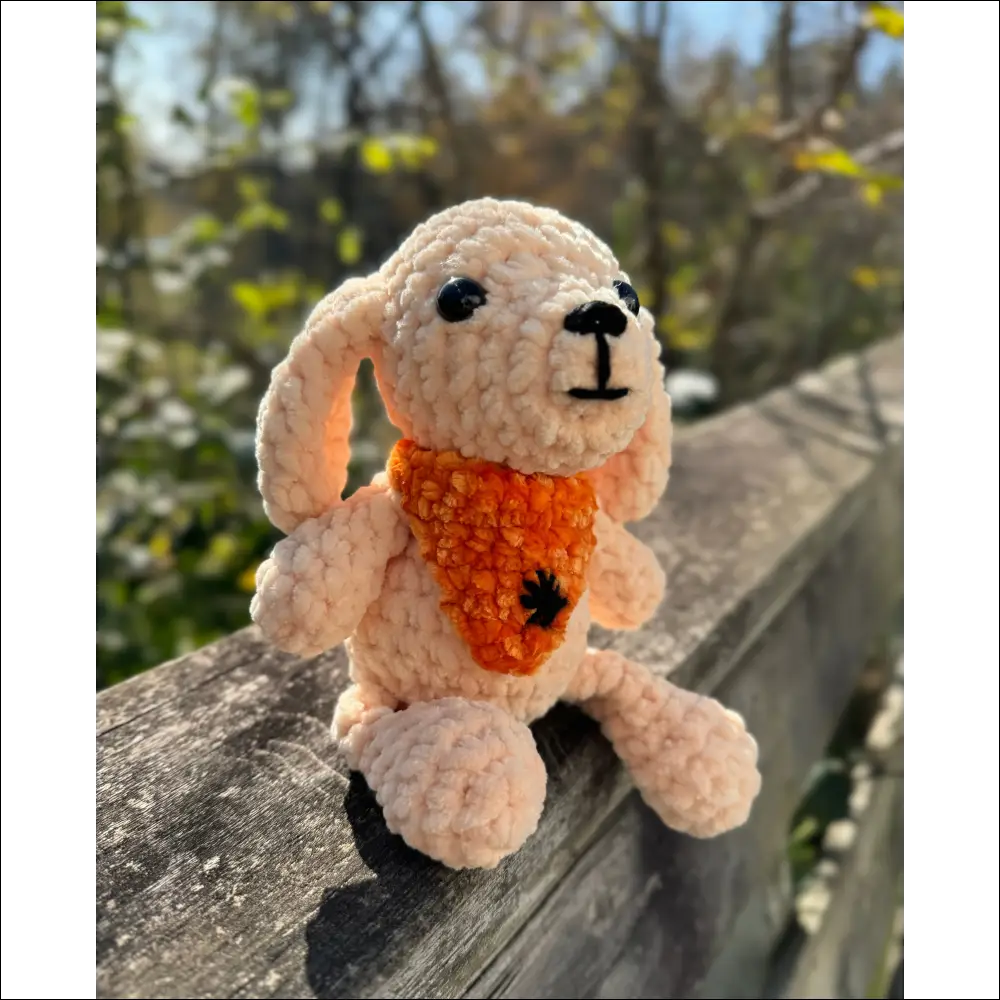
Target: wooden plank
[237, 857]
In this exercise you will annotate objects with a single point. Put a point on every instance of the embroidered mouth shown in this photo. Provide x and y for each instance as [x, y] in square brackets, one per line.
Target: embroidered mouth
[599, 393]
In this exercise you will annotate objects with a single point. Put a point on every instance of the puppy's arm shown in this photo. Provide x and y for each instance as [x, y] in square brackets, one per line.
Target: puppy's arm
[626, 580]
[320, 580]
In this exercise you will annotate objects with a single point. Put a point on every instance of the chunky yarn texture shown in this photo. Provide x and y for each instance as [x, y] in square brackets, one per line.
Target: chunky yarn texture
[464, 579]
[510, 552]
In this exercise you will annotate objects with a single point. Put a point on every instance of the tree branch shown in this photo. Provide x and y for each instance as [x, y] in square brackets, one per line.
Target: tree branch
[840, 79]
[791, 189]
[783, 62]
[805, 187]
[438, 84]
[379, 56]
[660, 30]
[643, 51]
[622, 39]
[639, 10]
[761, 215]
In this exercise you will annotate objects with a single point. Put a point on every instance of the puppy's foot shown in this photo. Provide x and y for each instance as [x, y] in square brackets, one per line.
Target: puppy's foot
[460, 781]
[692, 760]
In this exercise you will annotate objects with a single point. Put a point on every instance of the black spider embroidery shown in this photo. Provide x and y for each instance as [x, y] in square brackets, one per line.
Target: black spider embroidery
[543, 599]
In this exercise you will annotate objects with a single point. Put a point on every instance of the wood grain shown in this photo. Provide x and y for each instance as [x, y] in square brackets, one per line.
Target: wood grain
[238, 858]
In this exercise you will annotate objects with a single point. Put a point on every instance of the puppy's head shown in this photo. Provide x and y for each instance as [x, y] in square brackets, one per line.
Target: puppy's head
[500, 330]
[513, 336]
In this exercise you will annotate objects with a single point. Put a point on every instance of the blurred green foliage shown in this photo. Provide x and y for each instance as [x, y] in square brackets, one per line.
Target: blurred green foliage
[179, 531]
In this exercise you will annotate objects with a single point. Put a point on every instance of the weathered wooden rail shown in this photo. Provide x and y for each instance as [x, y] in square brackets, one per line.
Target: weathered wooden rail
[237, 857]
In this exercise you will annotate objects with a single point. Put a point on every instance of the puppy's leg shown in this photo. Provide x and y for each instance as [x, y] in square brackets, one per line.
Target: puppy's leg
[357, 711]
[460, 781]
[692, 760]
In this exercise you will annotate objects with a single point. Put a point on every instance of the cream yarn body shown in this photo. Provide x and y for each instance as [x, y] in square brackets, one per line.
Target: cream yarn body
[443, 743]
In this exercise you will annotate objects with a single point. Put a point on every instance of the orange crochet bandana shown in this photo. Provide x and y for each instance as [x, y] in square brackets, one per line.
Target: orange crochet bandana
[509, 551]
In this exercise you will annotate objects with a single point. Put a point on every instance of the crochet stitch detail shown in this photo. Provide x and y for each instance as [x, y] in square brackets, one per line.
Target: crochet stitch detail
[509, 551]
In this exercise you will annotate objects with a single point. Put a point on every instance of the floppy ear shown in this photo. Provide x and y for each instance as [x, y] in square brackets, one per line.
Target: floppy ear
[630, 484]
[304, 421]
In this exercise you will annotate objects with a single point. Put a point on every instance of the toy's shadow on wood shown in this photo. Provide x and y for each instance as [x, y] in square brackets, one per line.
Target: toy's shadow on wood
[354, 926]
[378, 848]
[397, 890]
[638, 914]
[688, 888]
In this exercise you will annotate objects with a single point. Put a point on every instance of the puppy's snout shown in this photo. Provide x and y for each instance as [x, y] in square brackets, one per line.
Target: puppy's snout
[596, 318]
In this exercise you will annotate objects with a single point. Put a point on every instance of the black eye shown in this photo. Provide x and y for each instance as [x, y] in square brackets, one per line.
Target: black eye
[628, 295]
[459, 298]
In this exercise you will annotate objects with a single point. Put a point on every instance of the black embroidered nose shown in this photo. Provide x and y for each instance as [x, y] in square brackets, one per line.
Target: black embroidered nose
[599, 318]
[543, 599]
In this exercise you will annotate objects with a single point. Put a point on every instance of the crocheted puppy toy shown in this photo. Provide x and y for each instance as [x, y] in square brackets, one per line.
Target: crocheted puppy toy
[515, 359]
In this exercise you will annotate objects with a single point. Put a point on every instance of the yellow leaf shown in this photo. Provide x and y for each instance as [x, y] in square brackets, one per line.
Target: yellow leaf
[250, 298]
[260, 300]
[349, 245]
[865, 277]
[247, 580]
[160, 545]
[331, 211]
[872, 194]
[250, 189]
[887, 182]
[206, 228]
[376, 156]
[885, 19]
[281, 293]
[261, 215]
[427, 147]
[222, 547]
[415, 151]
[246, 107]
[830, 161]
